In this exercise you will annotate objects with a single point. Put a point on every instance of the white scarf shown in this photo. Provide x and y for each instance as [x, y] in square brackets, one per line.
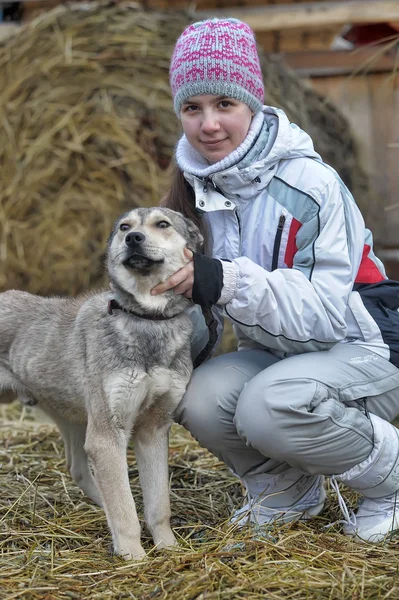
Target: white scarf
[189, 160]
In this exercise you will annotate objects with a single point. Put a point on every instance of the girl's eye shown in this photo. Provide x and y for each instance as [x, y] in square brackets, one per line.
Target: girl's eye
[225, 103]
[163, 224]
[191, 108]
[124, 227]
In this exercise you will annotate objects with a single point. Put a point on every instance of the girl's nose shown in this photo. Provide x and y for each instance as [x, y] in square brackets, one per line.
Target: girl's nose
[210, 122]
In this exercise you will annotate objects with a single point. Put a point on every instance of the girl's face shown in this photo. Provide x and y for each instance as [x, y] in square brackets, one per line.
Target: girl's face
[215, 125]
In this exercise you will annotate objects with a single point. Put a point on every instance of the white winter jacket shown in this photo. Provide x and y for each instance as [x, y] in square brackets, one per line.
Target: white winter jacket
[298, 264]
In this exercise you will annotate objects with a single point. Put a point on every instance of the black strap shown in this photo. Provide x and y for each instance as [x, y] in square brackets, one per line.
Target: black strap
[213, 337]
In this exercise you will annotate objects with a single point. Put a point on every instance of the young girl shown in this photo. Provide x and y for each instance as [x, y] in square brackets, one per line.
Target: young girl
[315, 382]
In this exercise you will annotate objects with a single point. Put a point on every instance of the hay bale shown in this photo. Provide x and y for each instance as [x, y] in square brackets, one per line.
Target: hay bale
[88, 130]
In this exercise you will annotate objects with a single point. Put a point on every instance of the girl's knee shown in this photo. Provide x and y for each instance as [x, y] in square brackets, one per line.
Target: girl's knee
[271, 415]
[213, 391]
[192, 412]
[257, 427]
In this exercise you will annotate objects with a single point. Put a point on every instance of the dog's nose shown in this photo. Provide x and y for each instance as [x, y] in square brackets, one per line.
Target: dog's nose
[134, 238]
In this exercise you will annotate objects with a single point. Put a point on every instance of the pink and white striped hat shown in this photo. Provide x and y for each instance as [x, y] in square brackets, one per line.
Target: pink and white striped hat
[217, 56]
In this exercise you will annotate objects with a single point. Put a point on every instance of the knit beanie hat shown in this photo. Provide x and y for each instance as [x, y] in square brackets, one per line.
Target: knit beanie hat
[217, 56]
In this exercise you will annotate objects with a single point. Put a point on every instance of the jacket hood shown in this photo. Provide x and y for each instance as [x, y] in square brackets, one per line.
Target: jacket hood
[286, 140]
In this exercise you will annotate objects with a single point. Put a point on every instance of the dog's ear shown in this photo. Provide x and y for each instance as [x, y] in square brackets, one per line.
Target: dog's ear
[195, 239]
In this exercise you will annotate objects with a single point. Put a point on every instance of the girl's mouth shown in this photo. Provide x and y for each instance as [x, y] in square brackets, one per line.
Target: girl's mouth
[212, 142]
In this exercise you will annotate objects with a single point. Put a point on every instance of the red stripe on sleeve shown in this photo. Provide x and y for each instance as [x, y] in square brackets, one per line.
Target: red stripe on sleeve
[291, 248]
[368, 270]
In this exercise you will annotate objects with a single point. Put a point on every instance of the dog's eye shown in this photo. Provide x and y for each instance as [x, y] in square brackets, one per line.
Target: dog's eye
[124, 227]
[163, 224]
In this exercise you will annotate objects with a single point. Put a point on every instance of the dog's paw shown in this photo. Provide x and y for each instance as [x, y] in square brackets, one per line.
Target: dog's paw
[165, 540]
[170, 548]
[132, 554]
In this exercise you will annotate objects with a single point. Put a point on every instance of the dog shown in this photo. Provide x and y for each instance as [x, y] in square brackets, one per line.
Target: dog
[108, 365]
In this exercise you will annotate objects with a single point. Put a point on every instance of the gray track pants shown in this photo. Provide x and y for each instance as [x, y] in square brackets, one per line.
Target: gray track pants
[257, 412]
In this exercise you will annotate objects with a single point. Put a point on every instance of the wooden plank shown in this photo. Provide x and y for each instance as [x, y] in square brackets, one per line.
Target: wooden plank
[294, 40]
[326, 63]
[213, 4]
[312, 14]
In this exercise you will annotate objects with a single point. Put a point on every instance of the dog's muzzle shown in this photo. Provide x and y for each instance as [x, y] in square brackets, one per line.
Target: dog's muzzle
[135, 255]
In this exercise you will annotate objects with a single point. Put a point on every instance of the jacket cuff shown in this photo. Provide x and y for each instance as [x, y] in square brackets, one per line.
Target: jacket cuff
[230, 279]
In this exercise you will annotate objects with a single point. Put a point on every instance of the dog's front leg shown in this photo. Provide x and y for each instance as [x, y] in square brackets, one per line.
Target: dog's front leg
[106, 448]
[151, 447]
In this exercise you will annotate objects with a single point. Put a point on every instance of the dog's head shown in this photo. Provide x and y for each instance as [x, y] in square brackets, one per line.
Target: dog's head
[147, 246]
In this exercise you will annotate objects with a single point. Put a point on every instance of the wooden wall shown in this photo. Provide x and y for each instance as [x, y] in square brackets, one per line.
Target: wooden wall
[364, 85]
[371, 104]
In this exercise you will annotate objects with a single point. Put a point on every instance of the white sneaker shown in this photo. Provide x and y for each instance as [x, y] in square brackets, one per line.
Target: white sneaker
[376, 519]
[377, 480]
[310, 504]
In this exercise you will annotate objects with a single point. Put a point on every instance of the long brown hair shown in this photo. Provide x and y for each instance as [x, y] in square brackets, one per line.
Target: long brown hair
[181, 197]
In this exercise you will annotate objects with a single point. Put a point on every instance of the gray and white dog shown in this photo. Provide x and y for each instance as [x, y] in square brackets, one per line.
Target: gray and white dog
[108, 365]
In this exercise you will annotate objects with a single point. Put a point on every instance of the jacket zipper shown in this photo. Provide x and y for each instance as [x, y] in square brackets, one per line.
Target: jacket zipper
[238, 217]
[277, 242]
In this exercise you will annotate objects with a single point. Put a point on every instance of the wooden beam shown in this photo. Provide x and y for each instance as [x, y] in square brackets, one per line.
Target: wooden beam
[327, 63]
[311, 14]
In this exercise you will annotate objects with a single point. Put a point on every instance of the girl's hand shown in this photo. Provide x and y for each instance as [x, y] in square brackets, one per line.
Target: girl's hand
[181, 282]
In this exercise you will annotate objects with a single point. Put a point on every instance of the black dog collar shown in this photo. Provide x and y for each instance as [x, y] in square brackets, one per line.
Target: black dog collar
[114, 305]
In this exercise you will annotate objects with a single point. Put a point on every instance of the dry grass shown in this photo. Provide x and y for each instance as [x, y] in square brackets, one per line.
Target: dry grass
[55, 543]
